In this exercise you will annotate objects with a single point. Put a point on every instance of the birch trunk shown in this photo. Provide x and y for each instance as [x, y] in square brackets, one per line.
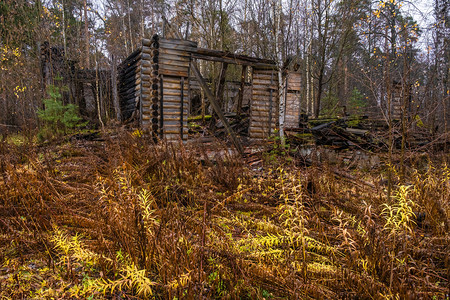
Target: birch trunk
[277, 13]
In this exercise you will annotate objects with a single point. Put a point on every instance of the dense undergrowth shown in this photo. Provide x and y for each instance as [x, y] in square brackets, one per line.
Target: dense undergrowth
[124, 219]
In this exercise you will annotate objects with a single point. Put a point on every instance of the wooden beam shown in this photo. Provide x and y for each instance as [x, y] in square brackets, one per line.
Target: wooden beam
[216, 107]
[234, 61]
[237, 57]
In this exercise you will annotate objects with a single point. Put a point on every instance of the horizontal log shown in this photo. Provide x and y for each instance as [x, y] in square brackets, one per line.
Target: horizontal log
[260, 130]
[150, 43]
[264, 95]
[172, 105]
[171, 62]
[131, 72]
[174, 79]
[265, 81]
[257, 128]
[150, 72]
[150, 65]
[133, 55]
[237, 57]
[181, 56]
[149, 50]
[185, 53]
[263, 71]
[173, 73]
[261, 111]
[163, 67]
[177, 42]
[268, 75]
[231, 61]
[127, 84]
[174, 86]
[265, 87]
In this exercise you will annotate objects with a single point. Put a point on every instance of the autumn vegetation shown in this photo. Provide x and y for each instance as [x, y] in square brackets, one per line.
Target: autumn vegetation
[122, 218]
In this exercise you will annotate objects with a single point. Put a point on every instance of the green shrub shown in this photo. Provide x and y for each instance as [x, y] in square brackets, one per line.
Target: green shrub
[357, 102]
[57, 118]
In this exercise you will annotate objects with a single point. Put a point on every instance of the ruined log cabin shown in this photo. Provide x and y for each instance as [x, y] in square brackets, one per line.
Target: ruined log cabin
[154, 88]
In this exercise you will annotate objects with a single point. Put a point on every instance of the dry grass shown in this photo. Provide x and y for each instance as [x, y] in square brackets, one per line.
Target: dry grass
[124, 219]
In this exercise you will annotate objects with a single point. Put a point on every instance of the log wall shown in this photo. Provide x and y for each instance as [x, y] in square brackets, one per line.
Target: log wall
[264, 103]
[129, 79]
[154, 84]
[293, 108]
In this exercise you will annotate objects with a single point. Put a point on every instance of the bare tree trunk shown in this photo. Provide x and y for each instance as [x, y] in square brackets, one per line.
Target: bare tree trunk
[114, 88]
[97, 82]
[129, 25]
[64, 28]
[142, 19]
[86, 34]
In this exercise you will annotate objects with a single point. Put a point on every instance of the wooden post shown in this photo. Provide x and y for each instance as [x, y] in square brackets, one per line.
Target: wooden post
[114, 88]
[270, 105]
[181, 107]
[216, 107]
[161, 103]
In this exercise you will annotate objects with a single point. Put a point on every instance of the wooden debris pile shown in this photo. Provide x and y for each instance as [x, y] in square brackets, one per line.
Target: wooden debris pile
[359, 133]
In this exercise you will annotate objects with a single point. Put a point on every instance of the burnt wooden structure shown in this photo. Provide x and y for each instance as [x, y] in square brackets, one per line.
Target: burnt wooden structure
[83, 87]
[154, 88]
